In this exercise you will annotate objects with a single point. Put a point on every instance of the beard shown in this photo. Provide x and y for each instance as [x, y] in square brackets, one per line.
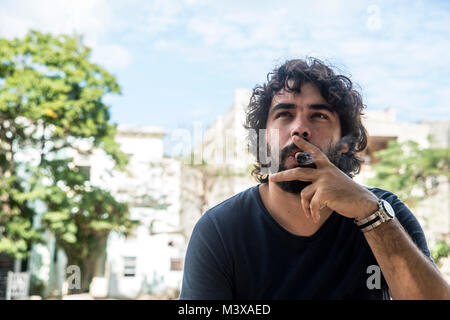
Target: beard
[333, 153]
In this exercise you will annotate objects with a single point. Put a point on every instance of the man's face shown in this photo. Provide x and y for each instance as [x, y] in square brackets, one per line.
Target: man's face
[308, 115]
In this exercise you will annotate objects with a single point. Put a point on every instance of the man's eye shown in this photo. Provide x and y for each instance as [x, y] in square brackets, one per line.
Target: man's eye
[282, 115]
[320, 116]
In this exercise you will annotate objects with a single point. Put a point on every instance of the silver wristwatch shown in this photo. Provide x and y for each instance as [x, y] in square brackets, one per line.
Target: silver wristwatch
[383, 214]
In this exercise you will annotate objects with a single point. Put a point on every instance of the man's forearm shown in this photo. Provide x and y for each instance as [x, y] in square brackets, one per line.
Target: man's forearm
[409, 274]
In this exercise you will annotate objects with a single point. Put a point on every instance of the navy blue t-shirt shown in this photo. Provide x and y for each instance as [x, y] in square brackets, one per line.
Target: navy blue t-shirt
[238, 251]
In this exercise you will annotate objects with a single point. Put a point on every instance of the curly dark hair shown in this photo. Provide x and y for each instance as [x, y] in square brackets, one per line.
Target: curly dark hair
[337, 90]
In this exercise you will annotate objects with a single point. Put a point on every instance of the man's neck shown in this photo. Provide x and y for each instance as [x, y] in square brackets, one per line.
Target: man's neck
[286, 209]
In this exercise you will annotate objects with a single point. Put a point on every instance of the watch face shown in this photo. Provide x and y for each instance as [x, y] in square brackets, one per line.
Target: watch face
[387, 208]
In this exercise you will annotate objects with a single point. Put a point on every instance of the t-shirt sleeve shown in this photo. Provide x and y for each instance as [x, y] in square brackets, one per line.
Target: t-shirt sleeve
[206, 276]
[407, 220]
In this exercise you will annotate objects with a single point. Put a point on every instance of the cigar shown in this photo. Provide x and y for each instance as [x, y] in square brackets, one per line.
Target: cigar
[305, 160]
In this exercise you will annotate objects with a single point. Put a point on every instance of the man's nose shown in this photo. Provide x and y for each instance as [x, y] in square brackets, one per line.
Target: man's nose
[301, 129]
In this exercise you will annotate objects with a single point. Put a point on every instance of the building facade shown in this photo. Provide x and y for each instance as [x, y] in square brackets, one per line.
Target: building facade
[150, 259]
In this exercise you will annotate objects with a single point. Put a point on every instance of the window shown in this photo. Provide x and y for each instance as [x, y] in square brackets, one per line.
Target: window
[129, 264]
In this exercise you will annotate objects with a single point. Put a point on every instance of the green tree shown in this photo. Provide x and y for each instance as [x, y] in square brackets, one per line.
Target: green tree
[51, 100]
[441, 250]
[410, 170]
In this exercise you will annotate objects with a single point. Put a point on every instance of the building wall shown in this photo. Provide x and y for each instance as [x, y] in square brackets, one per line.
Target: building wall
[150, 177]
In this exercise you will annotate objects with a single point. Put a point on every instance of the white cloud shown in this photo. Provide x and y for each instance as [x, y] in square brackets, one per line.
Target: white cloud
[218, 33]
[91, 18]
[196, 2]
[164, 45]
[11, 26]
[112, 56]
[156, 16]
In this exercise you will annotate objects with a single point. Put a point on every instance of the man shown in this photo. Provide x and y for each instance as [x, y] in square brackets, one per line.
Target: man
[309, 232]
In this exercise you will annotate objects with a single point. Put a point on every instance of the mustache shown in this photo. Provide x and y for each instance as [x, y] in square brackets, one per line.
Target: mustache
[290, 149]
[303, 158]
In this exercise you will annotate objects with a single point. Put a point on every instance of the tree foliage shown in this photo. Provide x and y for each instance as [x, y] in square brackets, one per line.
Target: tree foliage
[410, 170]
[51, 110]
[441, 250]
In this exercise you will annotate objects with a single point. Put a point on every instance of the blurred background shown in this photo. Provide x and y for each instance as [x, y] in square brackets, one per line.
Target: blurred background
[121, 124]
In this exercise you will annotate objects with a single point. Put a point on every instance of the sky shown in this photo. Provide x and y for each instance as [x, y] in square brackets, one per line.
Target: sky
[179, 61]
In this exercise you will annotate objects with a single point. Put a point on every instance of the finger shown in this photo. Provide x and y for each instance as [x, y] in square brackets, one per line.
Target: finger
[315, 206]
[302, 174]
[320, 159]
[306, 195]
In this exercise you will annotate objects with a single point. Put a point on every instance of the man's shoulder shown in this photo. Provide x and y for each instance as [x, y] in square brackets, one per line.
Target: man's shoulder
[402, 212]
[235, 204]
[227, 214]
[383, 194]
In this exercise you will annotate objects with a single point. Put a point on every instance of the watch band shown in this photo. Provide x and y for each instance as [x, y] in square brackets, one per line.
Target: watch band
[368, 219]
[373, 225]
[375, 219]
